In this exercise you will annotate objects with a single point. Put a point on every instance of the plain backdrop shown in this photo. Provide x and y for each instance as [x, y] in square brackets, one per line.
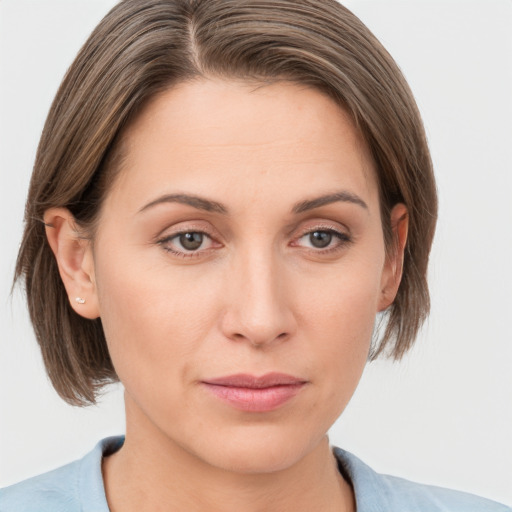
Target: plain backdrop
[444, 414]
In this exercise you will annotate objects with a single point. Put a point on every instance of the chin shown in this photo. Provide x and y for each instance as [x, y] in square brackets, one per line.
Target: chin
[259, 452]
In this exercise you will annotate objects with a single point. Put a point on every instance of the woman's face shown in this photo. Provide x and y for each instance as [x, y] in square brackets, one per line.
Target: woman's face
[239, 264]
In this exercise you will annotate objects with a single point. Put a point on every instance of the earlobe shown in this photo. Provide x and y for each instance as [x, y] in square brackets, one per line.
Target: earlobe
[392, 274]
[73, 254]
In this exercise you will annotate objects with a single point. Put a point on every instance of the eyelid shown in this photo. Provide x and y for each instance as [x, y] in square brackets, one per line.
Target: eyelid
[166, 245]
[340, 231]
[186, 226]
[323, 225]
[170, 232]
[343, 236]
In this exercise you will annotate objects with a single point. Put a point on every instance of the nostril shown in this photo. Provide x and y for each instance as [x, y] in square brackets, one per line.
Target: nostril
[259, 342]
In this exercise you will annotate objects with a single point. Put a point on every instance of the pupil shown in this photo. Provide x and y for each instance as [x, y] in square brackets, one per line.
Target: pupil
[191, 241]
[320, 239]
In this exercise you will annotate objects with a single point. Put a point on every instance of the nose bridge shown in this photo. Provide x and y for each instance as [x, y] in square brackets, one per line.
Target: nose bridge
[258, 308]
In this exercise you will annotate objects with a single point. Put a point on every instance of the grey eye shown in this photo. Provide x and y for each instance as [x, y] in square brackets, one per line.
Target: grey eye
[191, 241]
[320, 239]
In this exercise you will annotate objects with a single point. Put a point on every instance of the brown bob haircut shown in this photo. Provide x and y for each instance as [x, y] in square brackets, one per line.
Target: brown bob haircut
[143, 47]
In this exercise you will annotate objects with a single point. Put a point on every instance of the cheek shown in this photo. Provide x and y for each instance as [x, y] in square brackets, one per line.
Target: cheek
[154, 317]
[338, 321]
[343, 301]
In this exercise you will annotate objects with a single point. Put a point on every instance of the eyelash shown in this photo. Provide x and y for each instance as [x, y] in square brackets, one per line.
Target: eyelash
[343, 239]
[184, 254]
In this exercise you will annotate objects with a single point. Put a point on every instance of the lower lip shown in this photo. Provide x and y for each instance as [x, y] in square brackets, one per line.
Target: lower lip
[255, 399]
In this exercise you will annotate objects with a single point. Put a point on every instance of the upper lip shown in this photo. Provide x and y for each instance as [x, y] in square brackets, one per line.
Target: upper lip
[243, 380]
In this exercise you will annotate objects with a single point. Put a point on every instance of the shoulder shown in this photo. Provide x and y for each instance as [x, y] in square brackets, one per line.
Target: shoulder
[77, 486]
[57, 490]
[383, 493]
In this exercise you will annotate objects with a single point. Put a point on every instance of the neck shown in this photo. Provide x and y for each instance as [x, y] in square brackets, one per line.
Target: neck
[151, 472]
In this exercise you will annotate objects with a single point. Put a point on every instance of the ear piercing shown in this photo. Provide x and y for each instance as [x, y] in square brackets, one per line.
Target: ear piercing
[79, 300]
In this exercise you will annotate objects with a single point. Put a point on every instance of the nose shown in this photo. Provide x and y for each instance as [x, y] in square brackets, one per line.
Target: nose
[258, 303]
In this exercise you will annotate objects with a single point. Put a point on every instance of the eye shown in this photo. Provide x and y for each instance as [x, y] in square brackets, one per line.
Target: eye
[191, 241]
[323, 239]
[186, 243]
[320, 239]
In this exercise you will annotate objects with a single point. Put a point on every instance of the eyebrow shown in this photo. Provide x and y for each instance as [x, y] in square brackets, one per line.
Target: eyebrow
[343, 196]
[213, 206]
[191, 200]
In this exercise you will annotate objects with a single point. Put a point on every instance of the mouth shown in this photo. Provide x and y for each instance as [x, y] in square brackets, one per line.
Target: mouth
[255, 394]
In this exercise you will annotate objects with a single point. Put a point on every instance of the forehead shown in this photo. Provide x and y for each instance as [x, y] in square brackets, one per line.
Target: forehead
[282, 135]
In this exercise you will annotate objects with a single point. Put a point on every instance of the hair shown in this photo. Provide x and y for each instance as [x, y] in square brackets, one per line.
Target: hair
[143, 47]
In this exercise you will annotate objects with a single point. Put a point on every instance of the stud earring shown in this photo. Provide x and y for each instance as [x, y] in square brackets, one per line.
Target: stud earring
[79, 300]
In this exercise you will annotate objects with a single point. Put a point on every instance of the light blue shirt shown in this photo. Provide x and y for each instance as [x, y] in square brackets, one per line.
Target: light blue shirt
[78, 487]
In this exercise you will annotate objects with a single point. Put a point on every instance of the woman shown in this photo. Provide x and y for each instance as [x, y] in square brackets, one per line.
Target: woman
[224, 197]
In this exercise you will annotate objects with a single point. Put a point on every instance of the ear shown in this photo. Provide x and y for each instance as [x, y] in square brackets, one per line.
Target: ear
[393, 267]
[75, 261]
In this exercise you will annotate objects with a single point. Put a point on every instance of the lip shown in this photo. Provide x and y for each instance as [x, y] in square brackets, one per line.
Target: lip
[255, 394]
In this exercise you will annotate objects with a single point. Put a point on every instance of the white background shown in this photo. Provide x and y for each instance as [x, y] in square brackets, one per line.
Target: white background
[443, 415]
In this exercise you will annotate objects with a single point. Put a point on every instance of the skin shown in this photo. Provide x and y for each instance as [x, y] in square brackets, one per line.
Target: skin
[257, 296]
